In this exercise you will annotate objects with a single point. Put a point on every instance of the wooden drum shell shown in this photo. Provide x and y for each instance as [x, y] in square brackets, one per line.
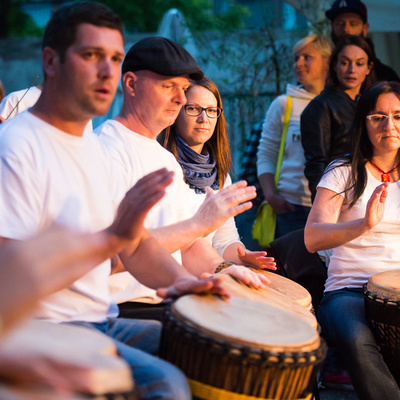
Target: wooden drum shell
[382, 310]
[272, 372]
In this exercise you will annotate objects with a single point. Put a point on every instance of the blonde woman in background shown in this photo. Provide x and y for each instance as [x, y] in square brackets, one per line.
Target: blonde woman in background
[292, 199]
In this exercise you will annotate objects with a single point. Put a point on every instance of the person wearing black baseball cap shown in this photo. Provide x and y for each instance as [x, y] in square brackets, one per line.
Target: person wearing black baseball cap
[156, 74]
[350, 17]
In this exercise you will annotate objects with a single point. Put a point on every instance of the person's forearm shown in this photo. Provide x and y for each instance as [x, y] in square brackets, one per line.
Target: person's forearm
[323, 236]
[216, 209]
[178, 236]
[200, 258]
[231, 252]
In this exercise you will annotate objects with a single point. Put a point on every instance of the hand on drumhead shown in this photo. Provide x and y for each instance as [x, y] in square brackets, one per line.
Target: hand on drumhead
[256, 259]
[246, 275]
[206, 285]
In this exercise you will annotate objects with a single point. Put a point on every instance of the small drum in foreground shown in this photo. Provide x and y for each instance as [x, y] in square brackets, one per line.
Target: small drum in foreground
[238, 348]
[83, 363]
[382, 310]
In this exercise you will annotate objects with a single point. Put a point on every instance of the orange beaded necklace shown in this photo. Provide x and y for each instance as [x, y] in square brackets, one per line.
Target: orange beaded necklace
[385, 175]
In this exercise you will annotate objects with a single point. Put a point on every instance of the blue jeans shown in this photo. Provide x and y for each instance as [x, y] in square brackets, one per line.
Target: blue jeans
[136, 340]
[291, 221]
[341, 315]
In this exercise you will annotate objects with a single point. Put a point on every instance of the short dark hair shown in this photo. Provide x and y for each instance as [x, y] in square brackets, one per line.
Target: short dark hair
[349, 40]
[60, 32]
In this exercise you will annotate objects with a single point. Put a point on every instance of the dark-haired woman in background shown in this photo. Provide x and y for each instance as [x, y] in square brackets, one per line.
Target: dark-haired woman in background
[356, 213]
[326, 121]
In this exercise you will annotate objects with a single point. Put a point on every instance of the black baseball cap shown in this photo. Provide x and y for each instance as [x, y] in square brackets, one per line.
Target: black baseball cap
[347, 6]
[162, 56]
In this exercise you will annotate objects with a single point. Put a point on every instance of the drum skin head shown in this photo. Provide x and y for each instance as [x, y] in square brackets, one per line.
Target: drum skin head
[385, 285]
[269, 295]
[246, 323]
[287, 287]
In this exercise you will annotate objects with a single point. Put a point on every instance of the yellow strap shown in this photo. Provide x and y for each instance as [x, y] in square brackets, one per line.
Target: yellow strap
[207, 392]
[286, 120]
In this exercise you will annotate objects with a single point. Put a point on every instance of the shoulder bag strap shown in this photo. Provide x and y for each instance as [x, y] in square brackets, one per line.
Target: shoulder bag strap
[283, 139]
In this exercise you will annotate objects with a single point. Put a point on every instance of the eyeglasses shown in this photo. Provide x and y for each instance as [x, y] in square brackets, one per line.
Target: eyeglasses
[378, 119]
[195, 111]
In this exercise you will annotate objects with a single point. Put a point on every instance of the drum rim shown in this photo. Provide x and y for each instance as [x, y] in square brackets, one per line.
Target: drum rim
[310, 343]
[276, 279]
[379, 299]
[234, 350]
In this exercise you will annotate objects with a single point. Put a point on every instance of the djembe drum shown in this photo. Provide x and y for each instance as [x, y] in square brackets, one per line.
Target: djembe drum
[382, 310]
[241, 349]
[86, 360]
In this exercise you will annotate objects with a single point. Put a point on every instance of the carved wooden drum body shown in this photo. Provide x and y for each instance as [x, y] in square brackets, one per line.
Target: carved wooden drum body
[84, 363]
[241, 349]
[382, 310]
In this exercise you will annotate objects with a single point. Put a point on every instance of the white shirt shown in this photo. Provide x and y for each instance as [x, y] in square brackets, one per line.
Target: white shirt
[16, 102]
[50, 176]
[375, 251]
[135, 156]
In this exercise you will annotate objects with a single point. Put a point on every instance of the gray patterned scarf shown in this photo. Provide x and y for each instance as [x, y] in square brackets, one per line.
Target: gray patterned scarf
[199, 170]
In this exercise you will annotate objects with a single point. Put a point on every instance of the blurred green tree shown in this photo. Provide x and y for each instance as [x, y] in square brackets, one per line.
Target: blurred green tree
[138, 16]
[145, 16]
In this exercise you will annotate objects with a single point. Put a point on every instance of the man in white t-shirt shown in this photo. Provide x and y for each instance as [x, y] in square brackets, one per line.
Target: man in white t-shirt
[55, 170]
[18, 101]
[156, 74]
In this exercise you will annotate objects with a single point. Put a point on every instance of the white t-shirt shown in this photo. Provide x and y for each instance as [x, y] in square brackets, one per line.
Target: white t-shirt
[224, 235]
[135, 156]
[50, 176]
[375, 251]
[21, 100]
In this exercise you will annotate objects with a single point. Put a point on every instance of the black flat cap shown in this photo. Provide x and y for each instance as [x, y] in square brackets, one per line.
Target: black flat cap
[162, 56]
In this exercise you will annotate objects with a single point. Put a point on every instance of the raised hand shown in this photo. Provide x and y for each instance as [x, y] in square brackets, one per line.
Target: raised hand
[226, 203]
[138, 201]
[256, 259]
[376, 206]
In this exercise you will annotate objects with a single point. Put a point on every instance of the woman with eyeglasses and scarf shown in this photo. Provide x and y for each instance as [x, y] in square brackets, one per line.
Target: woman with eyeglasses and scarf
[199, 141]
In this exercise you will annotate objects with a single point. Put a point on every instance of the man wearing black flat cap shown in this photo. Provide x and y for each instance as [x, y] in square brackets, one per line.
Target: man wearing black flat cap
[156, 73]
[350, 17]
